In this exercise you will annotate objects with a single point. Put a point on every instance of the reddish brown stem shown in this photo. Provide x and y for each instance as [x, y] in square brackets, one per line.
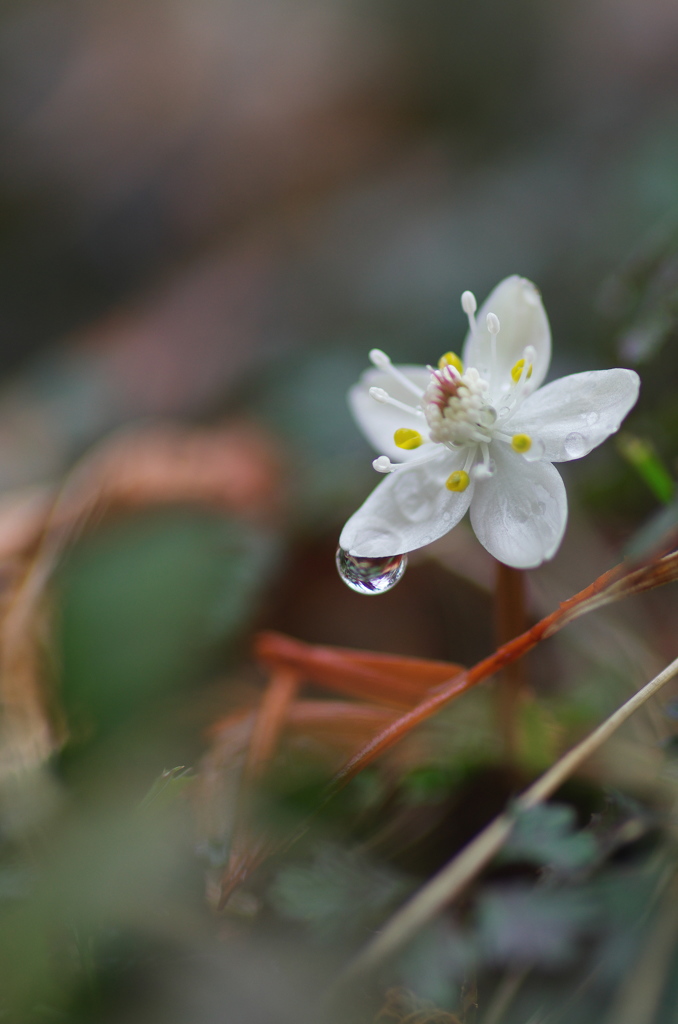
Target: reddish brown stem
[270, 720]
[246, 847]
[613, 585]
[511, 620]
[447, 692]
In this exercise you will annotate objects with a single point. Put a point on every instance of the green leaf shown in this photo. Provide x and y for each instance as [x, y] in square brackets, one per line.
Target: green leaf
[144, 604]
[646, 462]
[545, 835]
[340, 892]
[521, 925]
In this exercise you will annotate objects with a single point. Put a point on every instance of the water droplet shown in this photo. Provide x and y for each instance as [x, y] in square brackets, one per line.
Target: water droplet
[592, 418]
[370, 575]
[536, 451]
[504, 411]
[487, 416]
[576, 445]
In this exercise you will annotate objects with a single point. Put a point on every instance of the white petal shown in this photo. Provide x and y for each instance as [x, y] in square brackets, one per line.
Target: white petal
[379, 422]
[572, 415]
[520, 513]
[517, 303]
[409, 509]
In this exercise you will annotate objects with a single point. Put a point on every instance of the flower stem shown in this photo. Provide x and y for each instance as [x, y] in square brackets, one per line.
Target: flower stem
[512, 686]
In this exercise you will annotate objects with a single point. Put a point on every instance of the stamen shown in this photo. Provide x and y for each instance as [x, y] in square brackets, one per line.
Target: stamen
[486, 469]
[517, 371]
[457, 481]
[383, 362]
[408, 439]
[469, 305]
[529, 355]
[493, 326]
[384, 465]
[521, 443]
[453, 360]
[379, 395]
[514, 397]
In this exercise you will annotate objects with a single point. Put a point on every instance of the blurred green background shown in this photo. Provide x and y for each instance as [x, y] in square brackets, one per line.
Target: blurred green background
[210, 211]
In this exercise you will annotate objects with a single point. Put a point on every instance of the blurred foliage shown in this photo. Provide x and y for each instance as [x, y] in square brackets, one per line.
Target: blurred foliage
[214, 210]
[544, 835]
[145, 605]
[341, 893]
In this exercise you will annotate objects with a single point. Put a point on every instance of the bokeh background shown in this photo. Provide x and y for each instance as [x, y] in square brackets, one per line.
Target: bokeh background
[210, 211]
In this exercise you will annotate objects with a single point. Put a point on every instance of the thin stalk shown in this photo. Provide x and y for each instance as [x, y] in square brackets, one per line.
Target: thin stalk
[504, 996]
[612, 586]
[268, 725]
[640, 995]
[450, 881]
[512, 688]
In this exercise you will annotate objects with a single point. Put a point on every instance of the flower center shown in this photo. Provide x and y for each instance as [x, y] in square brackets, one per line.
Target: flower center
[456, 408]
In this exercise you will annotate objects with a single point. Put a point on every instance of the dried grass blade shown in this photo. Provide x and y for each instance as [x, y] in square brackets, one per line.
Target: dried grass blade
[450, 881]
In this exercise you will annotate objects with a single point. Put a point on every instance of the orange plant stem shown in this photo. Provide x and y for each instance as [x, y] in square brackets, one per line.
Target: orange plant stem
[613, 585]
[511, 620]
[447, 692]
[269, 723]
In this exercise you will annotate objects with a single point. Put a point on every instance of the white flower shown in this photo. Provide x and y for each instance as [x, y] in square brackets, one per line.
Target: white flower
[481, 435]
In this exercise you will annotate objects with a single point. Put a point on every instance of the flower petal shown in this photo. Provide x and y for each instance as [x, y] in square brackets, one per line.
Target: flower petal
[520, 513]
[517, 303]
[574, 414]
[409, 509]
[379, 422]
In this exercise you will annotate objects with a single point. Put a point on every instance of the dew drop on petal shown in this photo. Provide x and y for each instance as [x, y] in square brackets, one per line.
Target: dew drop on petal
[370, 575]
[592, 418]
[488, 416]
[576, 445]
[535, 452]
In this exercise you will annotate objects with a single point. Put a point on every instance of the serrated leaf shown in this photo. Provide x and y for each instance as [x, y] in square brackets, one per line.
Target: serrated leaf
[545, 835]
[522, 925]
[340, 892]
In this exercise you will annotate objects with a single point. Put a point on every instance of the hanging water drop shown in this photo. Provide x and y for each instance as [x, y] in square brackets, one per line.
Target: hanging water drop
[370, 575]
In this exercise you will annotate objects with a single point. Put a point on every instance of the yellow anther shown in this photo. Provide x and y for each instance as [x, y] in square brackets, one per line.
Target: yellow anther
[457, 481]
[451, 359]
[406, 438]
[521, 443]
[518, 369]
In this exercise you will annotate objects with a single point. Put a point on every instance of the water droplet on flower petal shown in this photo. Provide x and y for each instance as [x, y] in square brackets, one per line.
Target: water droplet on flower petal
[576, 445]
[370, 575]
[535, 452]
[592, 418]
[487, 416]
